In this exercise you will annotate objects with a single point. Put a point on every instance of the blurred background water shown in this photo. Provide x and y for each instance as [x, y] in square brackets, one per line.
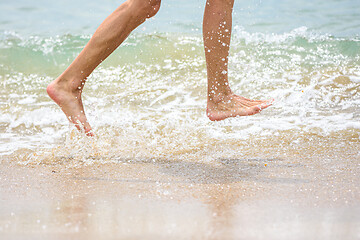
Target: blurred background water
[148, 99]
[51, 18]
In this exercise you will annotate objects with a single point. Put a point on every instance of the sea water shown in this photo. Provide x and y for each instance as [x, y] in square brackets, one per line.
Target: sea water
[148, 99]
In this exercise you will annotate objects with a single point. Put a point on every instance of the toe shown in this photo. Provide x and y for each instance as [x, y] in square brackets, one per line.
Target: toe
[254, 110]
[266, 104]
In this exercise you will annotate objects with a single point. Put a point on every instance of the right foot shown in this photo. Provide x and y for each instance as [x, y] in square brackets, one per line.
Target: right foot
[70, 103]
[233, 106]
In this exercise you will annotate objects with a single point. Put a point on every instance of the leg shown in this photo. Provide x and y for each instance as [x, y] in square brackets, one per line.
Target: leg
[221, 102]
[67, 88]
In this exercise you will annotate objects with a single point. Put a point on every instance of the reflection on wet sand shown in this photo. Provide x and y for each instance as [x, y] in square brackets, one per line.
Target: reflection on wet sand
[172, 199]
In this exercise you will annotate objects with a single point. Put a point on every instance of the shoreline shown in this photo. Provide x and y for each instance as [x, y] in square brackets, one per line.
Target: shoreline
[302, 198]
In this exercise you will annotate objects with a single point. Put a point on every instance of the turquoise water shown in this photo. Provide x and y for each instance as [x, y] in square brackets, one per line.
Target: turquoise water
[77, 17]
[148, 98]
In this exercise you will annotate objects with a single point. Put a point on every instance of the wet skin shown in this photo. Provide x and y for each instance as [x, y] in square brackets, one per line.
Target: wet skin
[66, 90]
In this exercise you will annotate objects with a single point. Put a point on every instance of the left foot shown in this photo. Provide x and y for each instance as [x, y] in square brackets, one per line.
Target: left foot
[70, 103]
[233, 106]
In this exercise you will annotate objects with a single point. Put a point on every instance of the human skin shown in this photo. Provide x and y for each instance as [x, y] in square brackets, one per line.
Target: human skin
[66, 90]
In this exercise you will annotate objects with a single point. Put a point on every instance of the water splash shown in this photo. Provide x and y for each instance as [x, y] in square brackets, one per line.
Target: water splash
[148, 100]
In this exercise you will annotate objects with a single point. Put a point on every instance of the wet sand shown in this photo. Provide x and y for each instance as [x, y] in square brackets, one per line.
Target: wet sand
[314, 195]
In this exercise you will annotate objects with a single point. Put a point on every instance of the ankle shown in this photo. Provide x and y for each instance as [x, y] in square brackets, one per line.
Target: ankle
[70, 85]
[216, 98]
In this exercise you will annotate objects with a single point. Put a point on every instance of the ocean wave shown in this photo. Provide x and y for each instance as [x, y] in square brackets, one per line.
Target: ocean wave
[149, 98]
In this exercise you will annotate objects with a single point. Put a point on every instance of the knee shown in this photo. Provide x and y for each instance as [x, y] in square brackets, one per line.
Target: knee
[220, 3]
[146, 8]
[153, 8]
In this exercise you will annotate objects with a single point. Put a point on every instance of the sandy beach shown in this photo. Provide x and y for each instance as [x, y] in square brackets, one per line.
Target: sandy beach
[314, 195]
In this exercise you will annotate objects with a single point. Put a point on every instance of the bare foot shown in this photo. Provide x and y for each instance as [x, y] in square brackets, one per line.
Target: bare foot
[70, 103]
[233, 105]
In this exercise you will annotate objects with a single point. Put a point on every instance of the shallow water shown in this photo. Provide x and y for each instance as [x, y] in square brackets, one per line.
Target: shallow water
[148, 98]
[147, 102]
